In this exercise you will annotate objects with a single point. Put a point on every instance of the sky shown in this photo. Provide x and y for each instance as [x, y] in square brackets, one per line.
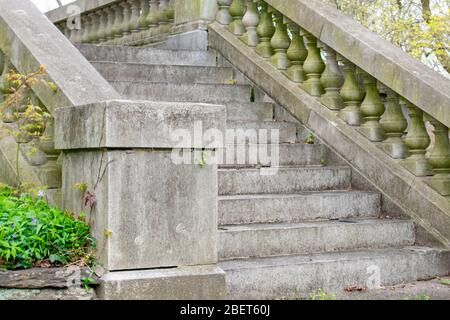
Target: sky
[46, 5]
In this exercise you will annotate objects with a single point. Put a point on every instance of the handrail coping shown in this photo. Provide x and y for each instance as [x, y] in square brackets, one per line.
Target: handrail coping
[30, 40]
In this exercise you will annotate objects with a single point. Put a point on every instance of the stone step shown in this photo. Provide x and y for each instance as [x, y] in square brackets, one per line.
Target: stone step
[118, 71]
[255, 132]
[269, 240]
[254, 155]
[184, 92]
[149, 55]
[283, 180]
[249, 111]
[292, 208]
[295, 277]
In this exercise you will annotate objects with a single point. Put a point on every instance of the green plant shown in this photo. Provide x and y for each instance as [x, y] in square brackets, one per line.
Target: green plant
[34, 233]
[86, 281]
[309, 138]
[21, 105]
[445, 282]
[419, 296]
[321, 295]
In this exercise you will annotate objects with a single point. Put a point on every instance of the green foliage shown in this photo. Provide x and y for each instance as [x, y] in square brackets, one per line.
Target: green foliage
[309, 138]
[419, 27]
[420, 296]
[445, 282]
[33, 233]
[321, 295]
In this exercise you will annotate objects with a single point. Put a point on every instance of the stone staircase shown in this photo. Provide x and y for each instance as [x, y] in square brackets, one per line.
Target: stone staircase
[282, 235]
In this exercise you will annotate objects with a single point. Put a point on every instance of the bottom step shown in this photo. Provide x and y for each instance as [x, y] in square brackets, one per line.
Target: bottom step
[295, 277]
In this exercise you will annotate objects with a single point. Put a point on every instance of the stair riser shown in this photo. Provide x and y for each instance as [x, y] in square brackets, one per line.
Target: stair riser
[283, 181]
[260, 111]
[288, 155]
[150, 56]
[300, 208]
[219, 94]
[162, 73]
[260, 132]
[259, 243]
[297, 281]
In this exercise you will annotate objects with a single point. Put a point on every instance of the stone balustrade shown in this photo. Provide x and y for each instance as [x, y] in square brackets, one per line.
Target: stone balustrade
[119, 22]
[396, 119]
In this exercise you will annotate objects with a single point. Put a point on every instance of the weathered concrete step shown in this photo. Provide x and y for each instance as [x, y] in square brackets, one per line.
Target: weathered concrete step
[256, 132]
[252, 155]
[292, 208]
[269, 240]
[184, 92]
[284, 180]
[118, 71]
[295, 277]
[249, 111]
[149, 55]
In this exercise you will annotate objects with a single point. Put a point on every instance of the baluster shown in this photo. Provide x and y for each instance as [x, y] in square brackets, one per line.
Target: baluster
[372, 108]
[118, 22]
[223, 15]
[296, 53]
[34, 129]
[109, 33]
[237, 10]
[265, 31]
[145, 7]
[87, 28]
[417, 141]
[134, 20]
[8, 113]
[439, 157]
[102, 17]
[331, 80]
[50, 169]
[152, 18]
[66, 30]
[171, 12]
[351, 95]
[250, 21]
[164, 23]
[313, 67]
[394, 124]
[280, 42]
[92, 36]
[126, 31]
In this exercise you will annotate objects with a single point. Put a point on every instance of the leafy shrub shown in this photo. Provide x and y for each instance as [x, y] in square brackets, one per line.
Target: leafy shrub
[33, 233]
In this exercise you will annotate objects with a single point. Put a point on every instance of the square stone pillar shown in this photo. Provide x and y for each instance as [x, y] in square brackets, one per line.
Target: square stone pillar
[194, 14]
[146, 209]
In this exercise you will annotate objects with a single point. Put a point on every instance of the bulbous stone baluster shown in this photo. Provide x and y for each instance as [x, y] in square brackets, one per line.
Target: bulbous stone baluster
[164, 23]
[394, 124]
[237, 11]
[417, 141]
[92, 35]
[372, 108]
[126, 31]
[171, 12]
[313, 67]
[118, 22]
[103, 18]
[145, 7]
[352, 96]
[8, 113]
[223, 15]
[134, 20]
[109, 33]
[265, 31]
[331, 80]
[34, 129]
[297, 54]
[152, 18]
[50, 170]
[280, 42]
[439, 158]
[250, 21]
[87, 25]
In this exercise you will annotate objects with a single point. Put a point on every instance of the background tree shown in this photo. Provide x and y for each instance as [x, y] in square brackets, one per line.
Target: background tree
[419, 27]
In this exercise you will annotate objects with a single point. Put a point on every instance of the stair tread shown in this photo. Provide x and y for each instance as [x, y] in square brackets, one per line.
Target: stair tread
[293, 195]
[310, 224]
[365, 254]
[287, 168]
